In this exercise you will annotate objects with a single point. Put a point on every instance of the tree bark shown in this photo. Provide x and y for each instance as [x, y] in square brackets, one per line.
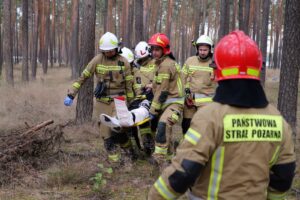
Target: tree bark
[74, 39]
[35, 39]
[84, 108]
[52, 36]
[204, 6]
[246, 16]
[66, 38]
[25, 74]
[224, 18]
[1, 43]
[169, 17]
[7, 42]
[241, 15]
[289, 73]
[46, 36]
[139, 27]
[264, 38]
[110, 15]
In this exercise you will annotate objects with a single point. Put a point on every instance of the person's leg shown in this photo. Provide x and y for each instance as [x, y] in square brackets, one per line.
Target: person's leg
[163, 138]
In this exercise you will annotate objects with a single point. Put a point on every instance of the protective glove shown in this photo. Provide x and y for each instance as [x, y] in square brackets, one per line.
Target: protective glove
[68, 101]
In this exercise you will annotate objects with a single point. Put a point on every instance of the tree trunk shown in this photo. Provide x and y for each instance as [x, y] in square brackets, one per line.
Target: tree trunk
[74, 39]
[52, 36]
[109, 15]
[139, 28]
[169, 17]
[46, 36]
[84, 108]
[66, 39]
[224, 18]
[1, 44]
[35, 39]
[233, 20]
[289, 73]
[204, 6]
[246, 16]
[241, 15]
[264, 38]
[25, 74]
[7, 42]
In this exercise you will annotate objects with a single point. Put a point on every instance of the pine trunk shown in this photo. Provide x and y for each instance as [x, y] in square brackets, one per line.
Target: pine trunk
[74, 39]
[25, 74]
[264, 38]
[7, 42]
[289, 73]
[84, 108]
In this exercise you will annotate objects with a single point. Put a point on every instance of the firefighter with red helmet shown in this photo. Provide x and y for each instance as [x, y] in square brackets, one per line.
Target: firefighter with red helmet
[167, 104]
[237, 147]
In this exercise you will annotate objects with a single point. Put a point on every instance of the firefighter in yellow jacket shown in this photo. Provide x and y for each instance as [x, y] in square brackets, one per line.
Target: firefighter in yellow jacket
[144, 69]
[239, 146]
[167, 104]
[198, 80]
[114, 78]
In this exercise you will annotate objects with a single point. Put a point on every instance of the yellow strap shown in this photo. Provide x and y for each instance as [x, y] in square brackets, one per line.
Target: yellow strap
[86, 73]
[192, 136]
[275, 156]
[230, 71]
[114, 157]
[276, 196]
[203, 100]
[142, 122]
[144, 131]
[252, 72]
[128, 78]
[130, 94]
[137, 86]
[216, 173]
[156, 105]
[163, 190]
[76, 85]
[193, 68]
[161, 150]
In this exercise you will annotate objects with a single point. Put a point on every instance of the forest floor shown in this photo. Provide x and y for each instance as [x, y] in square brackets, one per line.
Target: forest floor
[69, 173]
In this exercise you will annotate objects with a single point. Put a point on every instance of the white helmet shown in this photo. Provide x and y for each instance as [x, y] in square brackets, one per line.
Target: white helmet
[204, 39]
[141, 50]
[108, 42]
[127, 53]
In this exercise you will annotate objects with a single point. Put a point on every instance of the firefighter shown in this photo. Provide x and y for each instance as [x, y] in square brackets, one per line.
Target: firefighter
[143, 70]
[114, 78]
[198, 80]
[167, 104]
[239, 146]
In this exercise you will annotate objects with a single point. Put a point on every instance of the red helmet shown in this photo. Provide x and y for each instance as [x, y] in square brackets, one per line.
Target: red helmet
[161, 40]
[237, 56]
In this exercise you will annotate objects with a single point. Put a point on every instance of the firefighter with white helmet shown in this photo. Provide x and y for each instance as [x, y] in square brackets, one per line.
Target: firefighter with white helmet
[114, 78]
[198, 79]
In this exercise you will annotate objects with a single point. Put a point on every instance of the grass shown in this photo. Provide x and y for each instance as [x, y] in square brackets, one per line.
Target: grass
[69, 177]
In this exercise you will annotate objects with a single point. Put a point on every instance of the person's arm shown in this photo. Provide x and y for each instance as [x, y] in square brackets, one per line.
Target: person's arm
[162, 80]
[128, 82]
[282, 169]
[199, 143]
[86, 73]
